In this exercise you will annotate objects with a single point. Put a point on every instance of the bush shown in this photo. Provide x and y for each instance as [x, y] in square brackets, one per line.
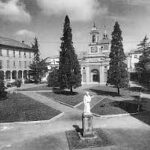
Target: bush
[18, 83]
[53, 78]
[3, 93]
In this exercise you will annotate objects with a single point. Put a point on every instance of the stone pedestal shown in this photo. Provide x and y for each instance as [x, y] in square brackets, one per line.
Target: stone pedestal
[87, 125]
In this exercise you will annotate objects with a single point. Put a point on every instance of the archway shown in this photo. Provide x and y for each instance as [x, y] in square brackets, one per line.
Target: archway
[2, 74]
[14, 74]
[19, 74]
[25, 74]
[95, 75]
[8, 75]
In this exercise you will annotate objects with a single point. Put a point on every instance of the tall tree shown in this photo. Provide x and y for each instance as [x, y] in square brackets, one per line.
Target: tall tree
[35, 46]
[39, 67]
[141, 66]
[117, 73]
[69, 67]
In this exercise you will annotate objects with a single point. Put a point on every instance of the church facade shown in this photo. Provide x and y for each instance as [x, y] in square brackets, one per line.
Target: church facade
[95, 63]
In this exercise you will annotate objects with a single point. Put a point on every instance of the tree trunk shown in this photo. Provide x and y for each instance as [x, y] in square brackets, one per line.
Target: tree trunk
[71, 91]
[118, 90]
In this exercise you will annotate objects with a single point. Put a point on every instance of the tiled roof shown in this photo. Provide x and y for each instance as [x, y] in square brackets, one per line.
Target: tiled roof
[13, 43]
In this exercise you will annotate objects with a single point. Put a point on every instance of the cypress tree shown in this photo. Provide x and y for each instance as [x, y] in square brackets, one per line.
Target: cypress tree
[39, 67]
[117, 73]
[69, 68]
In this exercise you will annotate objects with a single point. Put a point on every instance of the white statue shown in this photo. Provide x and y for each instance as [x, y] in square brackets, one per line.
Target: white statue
[87, 100]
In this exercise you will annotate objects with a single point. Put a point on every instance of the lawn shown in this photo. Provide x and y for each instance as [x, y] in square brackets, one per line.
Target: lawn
[21, 108]
[65, 97]
[109, 107]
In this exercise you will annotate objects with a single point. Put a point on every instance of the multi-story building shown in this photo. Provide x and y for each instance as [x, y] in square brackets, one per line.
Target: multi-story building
[133, 58]
[15, 58]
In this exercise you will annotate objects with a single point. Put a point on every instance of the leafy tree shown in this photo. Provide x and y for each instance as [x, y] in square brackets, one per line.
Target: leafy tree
[144, 59]
[39, 67]
[69, 68]
[117, 73]
[3, 93]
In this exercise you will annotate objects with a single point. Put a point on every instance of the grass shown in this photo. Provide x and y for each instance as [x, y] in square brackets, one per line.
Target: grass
[109, 107]
[65, 97]
[21, 108]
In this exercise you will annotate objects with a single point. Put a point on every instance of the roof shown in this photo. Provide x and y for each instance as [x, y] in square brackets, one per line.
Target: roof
[105, 41]
[13, 43]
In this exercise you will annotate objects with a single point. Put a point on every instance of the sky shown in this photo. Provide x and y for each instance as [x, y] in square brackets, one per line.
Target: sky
[25, 19]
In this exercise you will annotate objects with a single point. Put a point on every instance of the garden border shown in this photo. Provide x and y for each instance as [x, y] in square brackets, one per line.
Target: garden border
[34, 122]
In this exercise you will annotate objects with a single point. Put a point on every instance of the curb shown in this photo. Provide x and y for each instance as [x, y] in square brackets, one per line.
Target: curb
[35, 122]
[64, 104]
[118, 115]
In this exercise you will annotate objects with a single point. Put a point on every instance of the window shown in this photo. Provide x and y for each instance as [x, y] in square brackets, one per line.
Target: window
[14, 64]
[94, 49]
[19, 53]
[1, 64]
[8, 64]
[8, 53]
[13, 53]
[0, 52]
[25, 54]
[19, 64]
[25, 64]
[93, 39]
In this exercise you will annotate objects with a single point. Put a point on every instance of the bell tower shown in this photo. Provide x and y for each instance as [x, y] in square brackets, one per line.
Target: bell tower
[94, 40]
[94, 34]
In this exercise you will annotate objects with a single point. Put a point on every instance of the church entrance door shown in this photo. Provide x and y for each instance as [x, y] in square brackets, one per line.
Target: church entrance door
[95, 75]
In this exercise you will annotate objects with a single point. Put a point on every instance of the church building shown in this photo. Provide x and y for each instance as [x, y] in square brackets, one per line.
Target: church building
[95, 63]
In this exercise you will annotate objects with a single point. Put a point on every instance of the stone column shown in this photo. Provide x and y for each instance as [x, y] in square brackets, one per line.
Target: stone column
[87, 126]
[87, 74]
[10, 75]
[16, 74]
[22, 77]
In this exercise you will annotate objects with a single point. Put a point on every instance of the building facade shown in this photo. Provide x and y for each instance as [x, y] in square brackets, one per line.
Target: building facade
[133, 58]
[15, 58]
[95, 64]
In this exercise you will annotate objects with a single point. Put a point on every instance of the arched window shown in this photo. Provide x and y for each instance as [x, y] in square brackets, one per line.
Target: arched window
[93, 39]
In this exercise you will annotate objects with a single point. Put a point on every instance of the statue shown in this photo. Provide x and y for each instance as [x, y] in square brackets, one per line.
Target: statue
[87, 118]
[87, 100]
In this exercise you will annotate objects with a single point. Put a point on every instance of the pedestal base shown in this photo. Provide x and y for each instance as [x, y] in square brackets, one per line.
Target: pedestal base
[87, 126]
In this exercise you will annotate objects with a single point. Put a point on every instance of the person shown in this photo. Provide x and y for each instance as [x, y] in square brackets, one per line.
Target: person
[87, 100]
